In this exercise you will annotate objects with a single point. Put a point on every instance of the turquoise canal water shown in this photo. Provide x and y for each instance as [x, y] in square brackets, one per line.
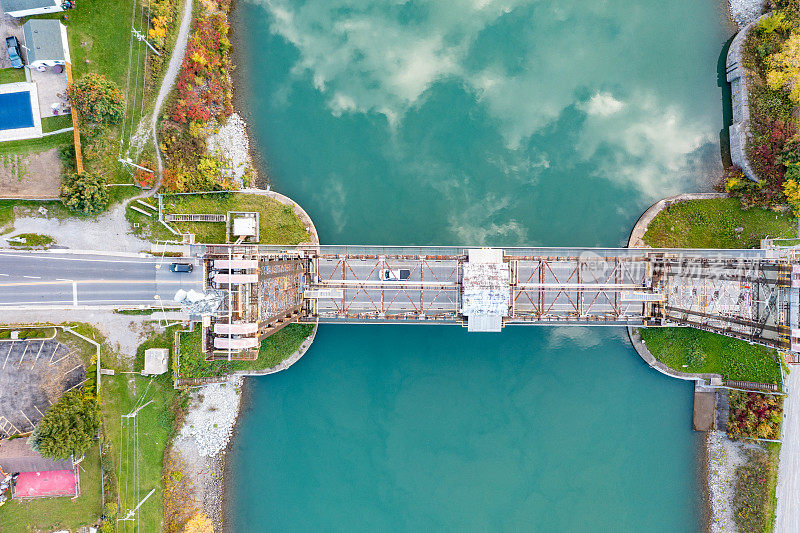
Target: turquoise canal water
[475, 122]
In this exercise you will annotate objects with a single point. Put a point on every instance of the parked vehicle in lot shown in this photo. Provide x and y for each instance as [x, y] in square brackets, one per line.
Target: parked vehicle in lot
[12, 45]
[181, 267]
[387, 274]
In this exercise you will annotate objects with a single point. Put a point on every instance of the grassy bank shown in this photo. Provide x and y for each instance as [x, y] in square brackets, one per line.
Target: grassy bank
[714, 224]
[693, 350]
[754, 499]
[273, 350]
[277, 223]
[142, 457]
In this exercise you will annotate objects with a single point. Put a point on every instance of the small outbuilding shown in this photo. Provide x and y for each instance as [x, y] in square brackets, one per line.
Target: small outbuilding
[156, 361]
[26, 8]
[46, 43]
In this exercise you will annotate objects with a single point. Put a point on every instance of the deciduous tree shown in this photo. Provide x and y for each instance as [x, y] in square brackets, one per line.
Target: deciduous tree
[98, 101]
[784, 68]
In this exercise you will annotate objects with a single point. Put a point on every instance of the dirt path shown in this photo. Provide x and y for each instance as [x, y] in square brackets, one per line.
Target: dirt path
[788, 513]
[174, 67]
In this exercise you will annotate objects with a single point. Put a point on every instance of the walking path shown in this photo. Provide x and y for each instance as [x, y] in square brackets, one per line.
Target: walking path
[174, 67]
[788, 513]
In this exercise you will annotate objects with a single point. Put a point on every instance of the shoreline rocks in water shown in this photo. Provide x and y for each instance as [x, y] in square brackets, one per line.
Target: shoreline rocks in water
[203, 441]
[232, 144]
[743, 12]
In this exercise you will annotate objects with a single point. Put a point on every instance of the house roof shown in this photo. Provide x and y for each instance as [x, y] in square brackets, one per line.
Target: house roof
[24, 5]
[17, 456]
[43, 40]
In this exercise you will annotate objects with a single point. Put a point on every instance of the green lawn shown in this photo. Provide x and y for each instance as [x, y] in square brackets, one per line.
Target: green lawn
[273, 350]
[713, 223]
[33, 240]
[12, 75]
[277, 223]
[58, 513]
[41, 144]
[57, 123]
[703, 352]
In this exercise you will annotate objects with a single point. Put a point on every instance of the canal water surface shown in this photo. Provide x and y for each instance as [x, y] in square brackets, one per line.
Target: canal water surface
[474, 122]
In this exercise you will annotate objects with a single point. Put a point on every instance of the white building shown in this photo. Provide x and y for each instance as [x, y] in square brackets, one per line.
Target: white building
[26, 8]
[46, 43]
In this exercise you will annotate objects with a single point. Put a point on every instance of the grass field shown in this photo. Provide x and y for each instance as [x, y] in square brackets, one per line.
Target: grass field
[58, 513]
[693, 350]
[713, 224]
[137, 463]
[273, 350]
[277, 223]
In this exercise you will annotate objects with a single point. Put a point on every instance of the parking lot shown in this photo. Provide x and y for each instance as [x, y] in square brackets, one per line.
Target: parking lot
[33, 375]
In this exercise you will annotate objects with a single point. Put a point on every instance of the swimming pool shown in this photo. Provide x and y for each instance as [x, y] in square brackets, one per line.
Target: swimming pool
[15, 110]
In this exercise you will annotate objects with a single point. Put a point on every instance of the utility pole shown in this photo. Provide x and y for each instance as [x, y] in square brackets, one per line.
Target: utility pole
[129, 514]
[127, 161]
[141, 37]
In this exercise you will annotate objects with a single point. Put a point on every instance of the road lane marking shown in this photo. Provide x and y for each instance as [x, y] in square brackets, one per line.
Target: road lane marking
[75, 294]
[144, 260]
[32, 277]
[6, 275]
[60, 279]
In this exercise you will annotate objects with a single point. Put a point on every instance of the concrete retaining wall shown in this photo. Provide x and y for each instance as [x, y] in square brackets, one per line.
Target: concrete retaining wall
[737, 76]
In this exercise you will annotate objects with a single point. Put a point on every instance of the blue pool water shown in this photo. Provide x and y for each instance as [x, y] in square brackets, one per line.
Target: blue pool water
[15, 110]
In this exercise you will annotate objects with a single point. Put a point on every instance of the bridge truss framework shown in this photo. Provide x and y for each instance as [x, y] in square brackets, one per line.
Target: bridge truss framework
[747, 294]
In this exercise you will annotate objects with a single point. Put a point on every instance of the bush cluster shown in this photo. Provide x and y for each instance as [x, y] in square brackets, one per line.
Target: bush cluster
[84, 193]
[754, 415]
[203, 100]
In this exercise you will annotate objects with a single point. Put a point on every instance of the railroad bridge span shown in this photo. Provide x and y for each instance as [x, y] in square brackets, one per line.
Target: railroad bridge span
[752, 295]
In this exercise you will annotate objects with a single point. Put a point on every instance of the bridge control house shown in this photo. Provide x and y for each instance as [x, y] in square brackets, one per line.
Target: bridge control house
[747, 294]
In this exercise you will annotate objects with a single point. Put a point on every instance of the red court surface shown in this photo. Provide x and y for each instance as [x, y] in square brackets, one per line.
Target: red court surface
[45, 484]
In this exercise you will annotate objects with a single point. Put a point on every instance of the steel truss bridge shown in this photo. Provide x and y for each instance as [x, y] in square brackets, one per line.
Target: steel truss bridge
[747, 294]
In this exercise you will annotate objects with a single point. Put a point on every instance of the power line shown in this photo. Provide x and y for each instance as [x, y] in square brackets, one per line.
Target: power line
[127, 82]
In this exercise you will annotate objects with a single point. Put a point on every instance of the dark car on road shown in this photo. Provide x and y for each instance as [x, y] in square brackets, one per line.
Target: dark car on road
[12, 45]
[181, 267]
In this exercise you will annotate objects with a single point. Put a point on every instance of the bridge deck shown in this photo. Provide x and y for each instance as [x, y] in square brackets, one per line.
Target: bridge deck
[742, 293]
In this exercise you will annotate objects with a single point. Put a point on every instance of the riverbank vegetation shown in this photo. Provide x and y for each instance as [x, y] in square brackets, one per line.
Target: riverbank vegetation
[716, 223]
[754, 498]
[696, 351]
[201, 101]
[771, 53]
[754, 415]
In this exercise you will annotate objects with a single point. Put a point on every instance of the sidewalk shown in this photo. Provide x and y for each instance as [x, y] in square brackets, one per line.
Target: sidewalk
[788, 513]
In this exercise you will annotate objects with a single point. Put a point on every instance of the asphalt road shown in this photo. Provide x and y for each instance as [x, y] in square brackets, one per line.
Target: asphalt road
[72, 280]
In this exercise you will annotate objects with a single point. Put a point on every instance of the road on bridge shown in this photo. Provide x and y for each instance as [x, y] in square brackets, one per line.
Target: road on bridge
[71, 280]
